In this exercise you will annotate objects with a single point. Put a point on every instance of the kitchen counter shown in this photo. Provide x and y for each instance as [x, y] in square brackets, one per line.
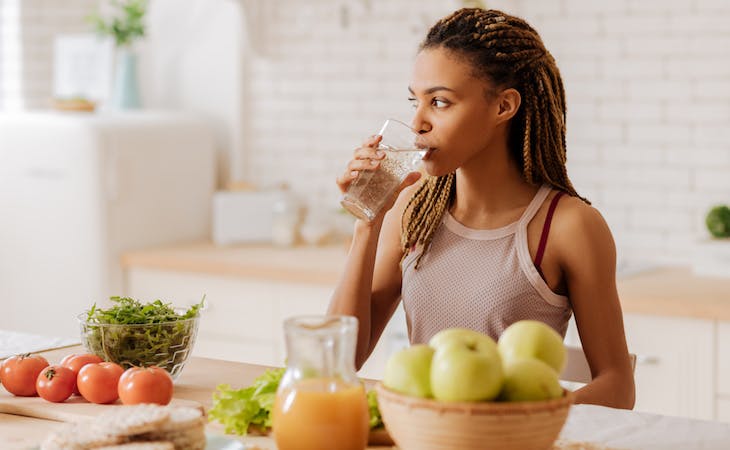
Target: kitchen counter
[606, 426]
[676, 291]
[307, 264]
[669, 291]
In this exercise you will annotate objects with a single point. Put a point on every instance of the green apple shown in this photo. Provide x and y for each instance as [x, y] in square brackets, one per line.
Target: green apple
[466, 366]
[529, 379]
[533, 339]
[408, 371]
[471, 336]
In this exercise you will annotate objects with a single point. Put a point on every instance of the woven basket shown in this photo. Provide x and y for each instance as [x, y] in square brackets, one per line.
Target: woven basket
[425, 424]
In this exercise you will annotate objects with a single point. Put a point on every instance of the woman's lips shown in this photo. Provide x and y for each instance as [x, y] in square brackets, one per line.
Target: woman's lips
[429, 151]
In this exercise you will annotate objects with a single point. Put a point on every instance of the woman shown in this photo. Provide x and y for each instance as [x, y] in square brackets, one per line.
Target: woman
[495, 233]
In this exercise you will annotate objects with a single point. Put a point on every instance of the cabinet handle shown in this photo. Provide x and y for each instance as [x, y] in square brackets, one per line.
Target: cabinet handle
[647, 359]
[46, 173]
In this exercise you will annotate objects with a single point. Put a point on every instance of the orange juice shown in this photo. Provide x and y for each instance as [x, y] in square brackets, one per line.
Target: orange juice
[321, 414]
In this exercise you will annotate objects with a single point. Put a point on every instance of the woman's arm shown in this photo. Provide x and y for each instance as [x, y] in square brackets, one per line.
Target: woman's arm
[356, 293]
[370, 285]
[588, 260]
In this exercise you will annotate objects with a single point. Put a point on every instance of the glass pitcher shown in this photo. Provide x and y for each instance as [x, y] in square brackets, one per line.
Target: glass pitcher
[320, 403]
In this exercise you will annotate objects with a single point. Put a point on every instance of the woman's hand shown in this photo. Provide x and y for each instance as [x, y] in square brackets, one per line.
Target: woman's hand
[368, 157]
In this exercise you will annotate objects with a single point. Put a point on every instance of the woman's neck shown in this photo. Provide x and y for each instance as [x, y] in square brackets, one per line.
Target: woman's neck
[490, 191]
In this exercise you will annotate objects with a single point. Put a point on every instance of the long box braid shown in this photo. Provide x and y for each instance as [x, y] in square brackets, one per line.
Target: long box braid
[509, 53]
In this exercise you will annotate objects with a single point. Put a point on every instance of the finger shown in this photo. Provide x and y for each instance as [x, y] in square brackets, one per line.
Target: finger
[363, 164]
[369, 153]
[372, 141]
[344, 180]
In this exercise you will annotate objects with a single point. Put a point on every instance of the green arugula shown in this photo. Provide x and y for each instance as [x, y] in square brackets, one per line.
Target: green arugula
[131, 333]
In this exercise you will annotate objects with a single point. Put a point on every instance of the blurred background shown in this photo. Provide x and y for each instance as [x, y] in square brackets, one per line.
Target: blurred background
[290, 88]
[200, 157]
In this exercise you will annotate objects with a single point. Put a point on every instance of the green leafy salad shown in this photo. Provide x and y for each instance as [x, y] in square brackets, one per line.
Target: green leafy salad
[240, 410]
[131, 333]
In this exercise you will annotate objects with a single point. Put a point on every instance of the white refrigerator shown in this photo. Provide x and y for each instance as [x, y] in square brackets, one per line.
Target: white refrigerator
[76, 190]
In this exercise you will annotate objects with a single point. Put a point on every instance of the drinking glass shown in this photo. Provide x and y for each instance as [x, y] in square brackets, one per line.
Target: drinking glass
[369, 192]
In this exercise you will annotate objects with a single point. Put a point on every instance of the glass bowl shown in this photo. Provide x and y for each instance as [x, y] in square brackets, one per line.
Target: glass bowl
[167, 344]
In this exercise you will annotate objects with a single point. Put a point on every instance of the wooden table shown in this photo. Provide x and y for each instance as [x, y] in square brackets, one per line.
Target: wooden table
[197, 382]
[613, 428]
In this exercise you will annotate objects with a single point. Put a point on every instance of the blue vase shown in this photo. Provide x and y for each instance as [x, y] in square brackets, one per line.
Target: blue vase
[126, 86]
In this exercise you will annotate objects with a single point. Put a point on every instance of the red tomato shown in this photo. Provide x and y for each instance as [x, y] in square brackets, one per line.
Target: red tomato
[75, 361]
[19, 373]
[145, 385]
[98, 382]
[65, 359]
[56, 383]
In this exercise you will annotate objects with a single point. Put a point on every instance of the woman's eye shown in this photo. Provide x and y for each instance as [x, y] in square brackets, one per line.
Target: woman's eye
[413, 101]
[438, 103]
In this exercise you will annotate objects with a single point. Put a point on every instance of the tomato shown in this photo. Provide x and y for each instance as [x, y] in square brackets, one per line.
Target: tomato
[56, 383]
[145, 385]
[19, 373]
[75, 361]
[65, 359]
[97, 382]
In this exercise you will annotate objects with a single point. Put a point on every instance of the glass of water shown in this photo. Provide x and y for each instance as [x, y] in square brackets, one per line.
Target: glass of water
[369, 192]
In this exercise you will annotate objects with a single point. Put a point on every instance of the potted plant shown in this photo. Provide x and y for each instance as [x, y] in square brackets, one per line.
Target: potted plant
[718, 221]
[126, 26]
[712, 256]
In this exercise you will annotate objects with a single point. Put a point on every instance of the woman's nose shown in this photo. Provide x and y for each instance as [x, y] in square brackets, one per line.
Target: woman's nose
[419, 125]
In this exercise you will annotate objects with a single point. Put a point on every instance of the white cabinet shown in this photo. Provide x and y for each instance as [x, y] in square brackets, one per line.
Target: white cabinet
[238, 322]
[682, 364]
[723, 372]
[674, 364]
[723, 410]
[77, 190]
[723, 358]
[244, 317]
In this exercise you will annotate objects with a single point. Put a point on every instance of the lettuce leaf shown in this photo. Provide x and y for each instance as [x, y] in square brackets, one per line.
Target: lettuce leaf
[238, 409]
[375, 420]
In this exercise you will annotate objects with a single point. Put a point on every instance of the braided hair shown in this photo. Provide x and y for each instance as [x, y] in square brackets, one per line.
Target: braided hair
[509, 53]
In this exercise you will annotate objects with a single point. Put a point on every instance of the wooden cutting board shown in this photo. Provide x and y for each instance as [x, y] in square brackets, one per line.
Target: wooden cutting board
[72, 410]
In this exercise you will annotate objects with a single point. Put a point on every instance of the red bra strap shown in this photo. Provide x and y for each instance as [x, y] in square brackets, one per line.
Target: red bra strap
[546, 230]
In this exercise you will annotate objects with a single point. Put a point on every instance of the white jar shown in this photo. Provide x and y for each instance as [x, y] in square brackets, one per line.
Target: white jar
[286, 220]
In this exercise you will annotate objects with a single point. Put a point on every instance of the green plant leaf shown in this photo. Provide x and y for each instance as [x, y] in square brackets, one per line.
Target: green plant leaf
[718, 221]
[126, 26]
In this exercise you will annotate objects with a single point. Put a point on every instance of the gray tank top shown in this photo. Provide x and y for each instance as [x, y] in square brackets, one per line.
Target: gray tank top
[484, 280]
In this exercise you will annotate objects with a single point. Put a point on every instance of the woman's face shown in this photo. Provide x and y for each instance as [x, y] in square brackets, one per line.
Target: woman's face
[453, 114]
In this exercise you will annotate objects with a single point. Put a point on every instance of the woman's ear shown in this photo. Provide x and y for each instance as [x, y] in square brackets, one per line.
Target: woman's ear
[508, 102]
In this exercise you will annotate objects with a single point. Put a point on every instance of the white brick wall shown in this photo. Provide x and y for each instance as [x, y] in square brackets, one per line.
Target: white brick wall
[655, 178]
[648, 98]
[40, 22]
[648, 85]
[328, 75]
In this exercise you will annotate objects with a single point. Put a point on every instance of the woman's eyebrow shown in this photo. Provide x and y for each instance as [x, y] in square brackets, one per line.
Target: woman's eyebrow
[431, 90]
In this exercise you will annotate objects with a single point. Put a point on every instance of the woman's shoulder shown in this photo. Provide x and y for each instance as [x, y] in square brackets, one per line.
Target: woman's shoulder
[574, 214]
[580, 227]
